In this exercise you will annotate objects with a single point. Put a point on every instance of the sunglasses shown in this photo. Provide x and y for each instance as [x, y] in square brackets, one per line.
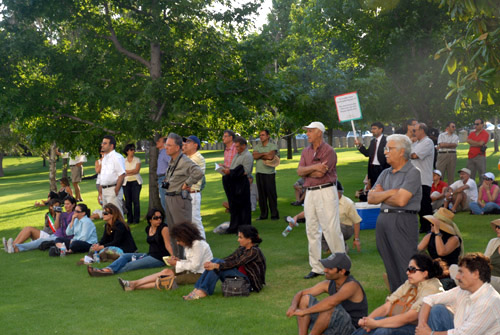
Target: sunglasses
[106, 213]
[477, 124]
[78, 212]
[497, 227]
[487, 179]
[156, 217]
[412, 269]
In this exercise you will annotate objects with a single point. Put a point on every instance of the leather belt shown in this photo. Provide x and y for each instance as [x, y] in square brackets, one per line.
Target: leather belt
[447, 151]
[106, 186]
[194, 191]
[398, 211]
[319, 187]
[171, 194]
[161, 175]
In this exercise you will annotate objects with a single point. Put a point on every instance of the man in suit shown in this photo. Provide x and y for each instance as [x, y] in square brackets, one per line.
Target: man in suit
[377, 162]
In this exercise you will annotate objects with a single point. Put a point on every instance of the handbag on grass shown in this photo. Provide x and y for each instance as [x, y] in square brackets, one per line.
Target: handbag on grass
[403, 304]
[235, 287]
[165, 283]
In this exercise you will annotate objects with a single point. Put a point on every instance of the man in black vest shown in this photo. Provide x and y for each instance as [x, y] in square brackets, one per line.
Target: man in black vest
[377, 162]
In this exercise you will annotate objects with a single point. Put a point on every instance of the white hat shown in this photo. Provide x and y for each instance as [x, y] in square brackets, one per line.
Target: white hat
[437, 172]
[315, 124]
[466, 170]
[489, 175]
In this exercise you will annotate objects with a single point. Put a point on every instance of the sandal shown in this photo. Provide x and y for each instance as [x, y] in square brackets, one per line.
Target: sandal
[125, 284]
[95, 272]
[191, 296]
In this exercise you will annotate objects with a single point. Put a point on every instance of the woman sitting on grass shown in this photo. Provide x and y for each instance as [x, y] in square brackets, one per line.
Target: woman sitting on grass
[63, 192]
[247, 262]
[83, 230]
[36, 235]
[158, 239]
[187, 271]
[400, 312]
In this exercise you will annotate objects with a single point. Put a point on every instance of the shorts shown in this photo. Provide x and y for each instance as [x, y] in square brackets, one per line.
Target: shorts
[186, 277]
[340, 321]
[76, 173]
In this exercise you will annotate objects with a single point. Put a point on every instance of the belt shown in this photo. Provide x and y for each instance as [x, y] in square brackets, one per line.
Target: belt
[447, 151]
[72, 165]
[398, 211]
[171, 194]
[194, 191]
[319, 187]
[106, 186]
[161, 175]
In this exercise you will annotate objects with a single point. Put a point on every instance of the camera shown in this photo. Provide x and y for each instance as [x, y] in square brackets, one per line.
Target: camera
[184, 194]
[57, 209]
[165, 184]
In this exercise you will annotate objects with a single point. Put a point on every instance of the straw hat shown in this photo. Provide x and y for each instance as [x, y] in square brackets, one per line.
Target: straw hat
[495, 223]
[445, 219]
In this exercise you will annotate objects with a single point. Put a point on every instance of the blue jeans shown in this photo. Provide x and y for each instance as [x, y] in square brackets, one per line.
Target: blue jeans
[403, 330]
[124, 263]
[488, 208]
[162, 194]
[34, 244]
[209, 279]
[440, 319]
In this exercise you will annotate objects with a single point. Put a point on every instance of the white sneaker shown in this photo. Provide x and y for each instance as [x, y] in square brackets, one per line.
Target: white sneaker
[4, 244]
[10, 246]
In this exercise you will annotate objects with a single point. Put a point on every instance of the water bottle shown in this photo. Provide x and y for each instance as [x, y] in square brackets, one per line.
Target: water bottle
[289, 219]
[97, 258]
[287, 231]
[63, 251]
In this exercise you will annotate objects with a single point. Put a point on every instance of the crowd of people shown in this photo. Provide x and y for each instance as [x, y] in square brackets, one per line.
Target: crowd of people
[402, 178]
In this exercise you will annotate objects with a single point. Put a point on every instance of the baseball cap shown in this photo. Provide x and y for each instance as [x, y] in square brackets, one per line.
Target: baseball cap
[437, 172]
[315, 124]
[489, 175]
[194, 139]
[337, 260]
[466, 170]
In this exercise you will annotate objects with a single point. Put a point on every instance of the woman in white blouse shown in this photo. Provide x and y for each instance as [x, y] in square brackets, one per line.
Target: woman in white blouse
[185, 271]
[132, 184]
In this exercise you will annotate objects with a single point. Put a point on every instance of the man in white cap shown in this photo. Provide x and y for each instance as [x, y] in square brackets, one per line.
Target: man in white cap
[340, 311]
[321, 206]
[461, 193]
[438, 190]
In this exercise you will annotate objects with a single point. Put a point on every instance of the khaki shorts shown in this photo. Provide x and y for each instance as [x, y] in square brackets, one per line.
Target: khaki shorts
[76, 173]
[186, 277]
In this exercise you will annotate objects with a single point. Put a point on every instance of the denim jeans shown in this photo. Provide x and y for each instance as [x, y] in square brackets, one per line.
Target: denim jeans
[34, 244]
[488, 208]
[403, 330]
[143, 261]
[440, 319]
[209, 279]
[162, 194]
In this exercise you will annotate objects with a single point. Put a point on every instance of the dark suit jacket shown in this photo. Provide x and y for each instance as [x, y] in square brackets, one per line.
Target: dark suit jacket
[373, 171]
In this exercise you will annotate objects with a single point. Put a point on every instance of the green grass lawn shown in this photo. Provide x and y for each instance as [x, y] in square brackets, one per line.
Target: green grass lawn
[45, 295]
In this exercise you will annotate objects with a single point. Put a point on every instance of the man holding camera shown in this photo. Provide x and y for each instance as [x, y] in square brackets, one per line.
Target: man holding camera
[181, 174]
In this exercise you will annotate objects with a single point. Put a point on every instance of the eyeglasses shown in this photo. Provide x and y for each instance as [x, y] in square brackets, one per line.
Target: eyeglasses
[412, 269]
[156, 217]
[389, 148]
[78, 211]
[477, 124]
[106, 213]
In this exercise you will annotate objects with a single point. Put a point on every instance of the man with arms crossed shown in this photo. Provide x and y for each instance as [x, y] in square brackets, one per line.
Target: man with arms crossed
[340, 311]
[476, 304]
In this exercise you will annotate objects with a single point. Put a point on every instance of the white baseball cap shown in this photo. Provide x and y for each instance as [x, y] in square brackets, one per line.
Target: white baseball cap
[315, 124]
[489, 175]
[437, 172]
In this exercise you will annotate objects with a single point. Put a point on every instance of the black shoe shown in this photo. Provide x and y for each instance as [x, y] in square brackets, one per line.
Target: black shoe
[311, 275]
[260, 219]
[275, 218]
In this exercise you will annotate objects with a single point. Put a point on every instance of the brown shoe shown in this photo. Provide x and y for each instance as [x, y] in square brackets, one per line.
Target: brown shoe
[95, 272]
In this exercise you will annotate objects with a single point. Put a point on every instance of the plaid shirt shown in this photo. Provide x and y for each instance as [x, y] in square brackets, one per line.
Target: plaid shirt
[229, 154]
[254, 263]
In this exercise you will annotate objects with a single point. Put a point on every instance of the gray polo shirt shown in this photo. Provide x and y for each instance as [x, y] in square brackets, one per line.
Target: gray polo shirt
[408, 178]
[245, 159]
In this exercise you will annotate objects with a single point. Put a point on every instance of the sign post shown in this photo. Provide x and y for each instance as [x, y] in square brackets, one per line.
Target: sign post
[348, 108]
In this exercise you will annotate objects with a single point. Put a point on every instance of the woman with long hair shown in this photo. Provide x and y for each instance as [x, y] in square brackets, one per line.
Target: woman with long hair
[82, 229]
[158, 238]
[185, 271]
[399, 314]
[247, 262]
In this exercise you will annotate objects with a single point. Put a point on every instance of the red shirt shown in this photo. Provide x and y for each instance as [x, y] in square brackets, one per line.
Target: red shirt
[324, 153]
[483, 136]
[229, 154]
[439, 187]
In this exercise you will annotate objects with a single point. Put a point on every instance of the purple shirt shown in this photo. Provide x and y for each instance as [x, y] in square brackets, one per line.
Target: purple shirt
[324, 153]
[64, 221]
[163, 161]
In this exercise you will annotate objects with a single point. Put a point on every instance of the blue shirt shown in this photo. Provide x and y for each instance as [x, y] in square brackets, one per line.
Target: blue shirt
[83, 230]
[163, 161]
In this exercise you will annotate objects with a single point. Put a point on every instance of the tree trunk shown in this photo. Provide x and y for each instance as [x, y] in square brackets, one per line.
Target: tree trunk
[496, 134]
[289, 154]
[330, 136]
[294, 143]
[154, 196]
[44, 161]
[1, 163]
[65, 167]
[52, 167]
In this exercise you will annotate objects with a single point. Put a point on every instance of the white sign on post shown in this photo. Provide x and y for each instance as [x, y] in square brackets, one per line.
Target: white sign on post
[348, 107]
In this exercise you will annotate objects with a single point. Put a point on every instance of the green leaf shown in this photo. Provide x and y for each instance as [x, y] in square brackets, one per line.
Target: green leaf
[452, 65]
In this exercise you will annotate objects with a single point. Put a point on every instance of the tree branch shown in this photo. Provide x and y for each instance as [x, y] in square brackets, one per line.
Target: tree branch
[160, 112]
[90, 123]
[117, 44]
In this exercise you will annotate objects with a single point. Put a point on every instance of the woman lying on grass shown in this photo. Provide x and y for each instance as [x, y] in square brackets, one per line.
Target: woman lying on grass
[187, 271]
[247, 262]
[158, 239]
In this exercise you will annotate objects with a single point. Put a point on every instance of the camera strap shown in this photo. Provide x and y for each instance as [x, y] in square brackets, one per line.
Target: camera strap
[173, 170]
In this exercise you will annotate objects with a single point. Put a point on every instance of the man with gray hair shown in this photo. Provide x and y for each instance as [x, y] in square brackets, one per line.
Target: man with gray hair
[182, 173]
[399, 190]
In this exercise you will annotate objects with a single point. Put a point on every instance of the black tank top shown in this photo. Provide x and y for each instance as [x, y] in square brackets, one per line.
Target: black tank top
[156, 243]
[452, 258]
[356, 310]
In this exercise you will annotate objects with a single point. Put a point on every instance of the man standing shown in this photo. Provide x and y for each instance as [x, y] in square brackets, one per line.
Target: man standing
[340, 311]
[181, 175]
[266, 176]
[461, 193]
[190, 148]
[422, 157]
[376, 162]
[400, 192]
[410, 129]
[447, 152]
[238, 186]
[476, 304]
[161, 169]
[321, 206]
[112, 174]
[76, 167]
[229, 153]
[477, 140]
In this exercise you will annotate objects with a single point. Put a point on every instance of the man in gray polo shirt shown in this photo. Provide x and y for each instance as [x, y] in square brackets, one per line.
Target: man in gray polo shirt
[399, 190]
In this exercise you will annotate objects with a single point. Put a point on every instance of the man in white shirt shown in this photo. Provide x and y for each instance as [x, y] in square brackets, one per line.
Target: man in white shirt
[475, 303]
[447, 152]
[461, 193]
[190, 148]
[112, 174]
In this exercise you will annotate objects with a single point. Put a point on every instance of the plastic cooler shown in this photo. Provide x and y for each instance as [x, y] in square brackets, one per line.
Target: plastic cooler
[368, 213]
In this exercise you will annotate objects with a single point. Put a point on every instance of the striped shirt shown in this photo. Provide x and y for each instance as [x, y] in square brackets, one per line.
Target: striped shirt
[229, 154]
[254, 263]
[475, 313]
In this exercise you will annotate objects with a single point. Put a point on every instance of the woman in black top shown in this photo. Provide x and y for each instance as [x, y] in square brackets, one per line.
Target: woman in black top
[158, 239]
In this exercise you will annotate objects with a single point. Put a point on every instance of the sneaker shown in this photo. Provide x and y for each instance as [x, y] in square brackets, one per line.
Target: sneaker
[10, 246]
[5, 244]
